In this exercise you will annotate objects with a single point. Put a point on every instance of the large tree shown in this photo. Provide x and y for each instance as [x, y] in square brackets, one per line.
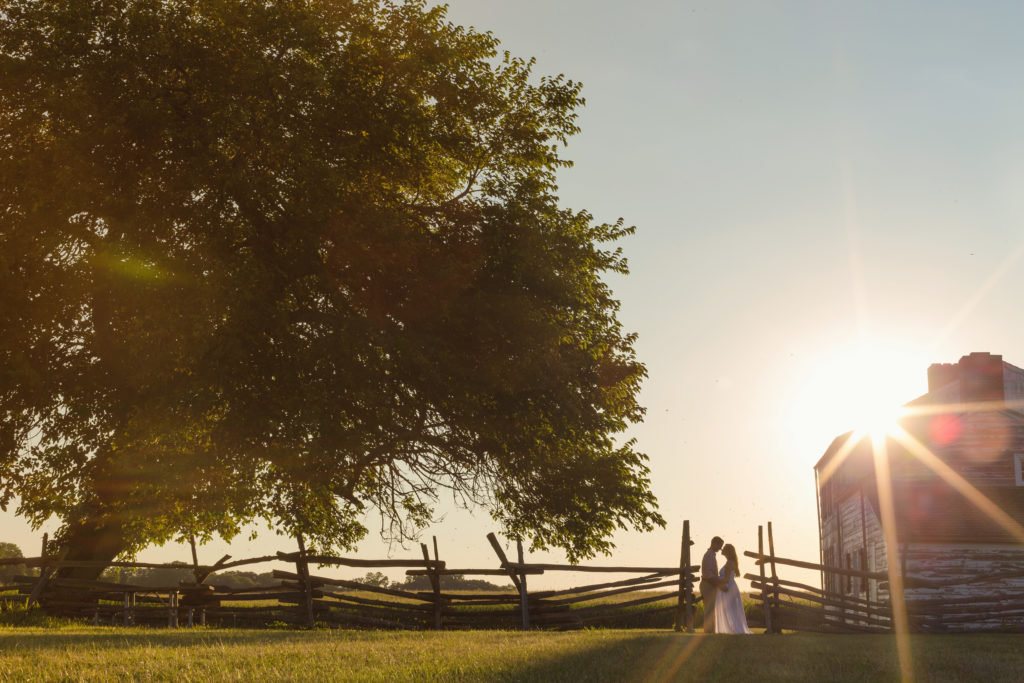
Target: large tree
[297, 261]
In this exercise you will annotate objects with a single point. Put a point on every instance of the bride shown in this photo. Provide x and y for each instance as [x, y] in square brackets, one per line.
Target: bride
[729, 616]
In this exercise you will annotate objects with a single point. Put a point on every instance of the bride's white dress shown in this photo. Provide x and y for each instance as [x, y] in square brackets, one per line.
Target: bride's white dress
[729, 616]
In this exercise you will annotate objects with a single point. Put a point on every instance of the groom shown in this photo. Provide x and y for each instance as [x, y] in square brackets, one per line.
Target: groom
[710, 583]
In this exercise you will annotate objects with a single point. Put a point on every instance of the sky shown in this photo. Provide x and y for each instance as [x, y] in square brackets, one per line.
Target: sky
[828, 197]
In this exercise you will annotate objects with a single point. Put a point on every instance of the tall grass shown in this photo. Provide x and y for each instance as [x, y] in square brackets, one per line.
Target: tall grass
[87, 653]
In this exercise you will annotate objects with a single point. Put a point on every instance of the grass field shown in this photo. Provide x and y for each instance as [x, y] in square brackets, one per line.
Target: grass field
[73, 653]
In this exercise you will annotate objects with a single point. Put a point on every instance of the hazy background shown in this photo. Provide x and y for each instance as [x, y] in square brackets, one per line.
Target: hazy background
[806, 177]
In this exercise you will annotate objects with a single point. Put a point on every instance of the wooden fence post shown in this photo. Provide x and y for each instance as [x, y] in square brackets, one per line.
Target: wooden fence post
[44, 577]
[511, 573]
[172, 609]
[764, 586]
[504, 560]
[775, 575]
[302, 568]
[46, 571]
[684, 610]
[438, 603]
[524, 602]
[127, 608]
[435, 582]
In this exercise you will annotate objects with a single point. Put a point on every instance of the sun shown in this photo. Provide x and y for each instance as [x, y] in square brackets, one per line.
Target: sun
[875, 415]
[860, 388]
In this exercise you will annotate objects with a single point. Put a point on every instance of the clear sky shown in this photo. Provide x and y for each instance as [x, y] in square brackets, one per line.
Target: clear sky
[808, 180]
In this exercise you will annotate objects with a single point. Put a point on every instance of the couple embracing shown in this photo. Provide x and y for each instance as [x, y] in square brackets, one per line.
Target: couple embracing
[723, 604]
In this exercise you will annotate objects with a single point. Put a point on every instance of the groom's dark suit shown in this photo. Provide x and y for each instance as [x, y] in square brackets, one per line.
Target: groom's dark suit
[709, 588]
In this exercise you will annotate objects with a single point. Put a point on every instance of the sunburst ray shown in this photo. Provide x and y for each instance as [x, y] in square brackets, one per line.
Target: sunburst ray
[957, 482]
[887, 509]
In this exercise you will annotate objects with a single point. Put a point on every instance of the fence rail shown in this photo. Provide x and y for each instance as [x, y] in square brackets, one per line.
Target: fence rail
[659, 596]
[303, 598]
[791, 605]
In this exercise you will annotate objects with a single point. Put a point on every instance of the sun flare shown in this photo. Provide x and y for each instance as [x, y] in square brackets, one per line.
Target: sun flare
[860, 388]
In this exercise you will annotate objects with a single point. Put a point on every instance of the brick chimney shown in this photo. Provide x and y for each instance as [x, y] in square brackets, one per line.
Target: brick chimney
[941, 374]
[981, 377]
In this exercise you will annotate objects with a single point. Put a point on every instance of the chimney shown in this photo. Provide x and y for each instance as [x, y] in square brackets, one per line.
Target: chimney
[941, 374]
[981, 378]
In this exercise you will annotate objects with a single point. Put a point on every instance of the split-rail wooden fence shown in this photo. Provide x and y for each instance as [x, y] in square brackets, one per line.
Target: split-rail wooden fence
[656, 595]
[791, 605]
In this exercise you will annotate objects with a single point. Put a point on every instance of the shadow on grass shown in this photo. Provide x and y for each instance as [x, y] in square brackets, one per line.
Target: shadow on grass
[617, 656]
[595, 655]
[658, 656]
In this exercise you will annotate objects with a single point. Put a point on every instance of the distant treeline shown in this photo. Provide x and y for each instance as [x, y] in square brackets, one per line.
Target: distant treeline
[454, 582]
[172, 576]
[181, 572]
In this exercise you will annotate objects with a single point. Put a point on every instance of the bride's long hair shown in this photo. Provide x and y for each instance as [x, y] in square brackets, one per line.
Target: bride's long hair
[730, 555]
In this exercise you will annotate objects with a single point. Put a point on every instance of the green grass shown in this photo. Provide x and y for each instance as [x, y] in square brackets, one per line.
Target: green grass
[73, 653]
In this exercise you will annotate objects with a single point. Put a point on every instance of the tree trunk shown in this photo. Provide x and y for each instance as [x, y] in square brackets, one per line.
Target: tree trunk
[94, 540]
[96, 534]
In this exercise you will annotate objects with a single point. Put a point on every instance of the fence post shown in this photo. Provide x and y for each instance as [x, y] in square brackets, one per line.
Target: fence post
[524, 601]
[435, 582]
[303, 570]
[504, 565]
[438, 603]
[764, 586]
[172, 609]
[127, 608]
[775, 575]
[684, 609]
[44, 576]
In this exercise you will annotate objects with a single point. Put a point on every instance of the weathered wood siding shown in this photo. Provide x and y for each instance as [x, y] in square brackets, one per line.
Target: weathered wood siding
[851, 533]
[942, 561]
[970, 605]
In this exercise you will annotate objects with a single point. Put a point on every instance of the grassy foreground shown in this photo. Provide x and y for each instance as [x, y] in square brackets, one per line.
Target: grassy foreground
[87, 653]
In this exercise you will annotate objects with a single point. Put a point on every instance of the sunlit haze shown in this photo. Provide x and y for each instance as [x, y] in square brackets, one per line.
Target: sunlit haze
[858, 388]
[827, 198]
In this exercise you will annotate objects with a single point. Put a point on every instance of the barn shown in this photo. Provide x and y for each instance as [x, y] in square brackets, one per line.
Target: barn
[957, 472]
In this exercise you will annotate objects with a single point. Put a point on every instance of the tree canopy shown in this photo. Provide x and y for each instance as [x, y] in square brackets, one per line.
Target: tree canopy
[10, 551]
[299, 261]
